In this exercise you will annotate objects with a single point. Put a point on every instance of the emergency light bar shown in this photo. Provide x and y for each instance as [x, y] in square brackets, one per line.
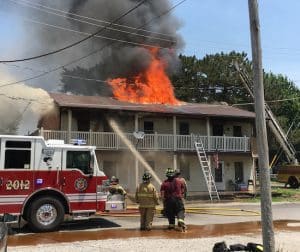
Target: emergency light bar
[55, 142]
[78, 141]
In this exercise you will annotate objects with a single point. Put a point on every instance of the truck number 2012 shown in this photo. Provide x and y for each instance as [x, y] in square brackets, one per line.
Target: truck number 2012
[17, 185]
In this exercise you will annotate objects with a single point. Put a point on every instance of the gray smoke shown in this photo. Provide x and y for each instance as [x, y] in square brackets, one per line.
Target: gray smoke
[116, 59]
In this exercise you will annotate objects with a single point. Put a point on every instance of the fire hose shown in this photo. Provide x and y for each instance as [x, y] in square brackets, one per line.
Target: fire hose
[133, 211]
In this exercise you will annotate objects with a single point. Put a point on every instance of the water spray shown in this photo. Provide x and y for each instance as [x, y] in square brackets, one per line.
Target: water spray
[131, 147]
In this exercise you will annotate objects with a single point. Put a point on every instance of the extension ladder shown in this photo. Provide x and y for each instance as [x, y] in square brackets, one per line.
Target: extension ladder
[209, 179]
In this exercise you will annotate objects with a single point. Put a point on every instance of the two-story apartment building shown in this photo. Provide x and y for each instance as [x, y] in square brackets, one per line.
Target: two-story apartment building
[170, 134]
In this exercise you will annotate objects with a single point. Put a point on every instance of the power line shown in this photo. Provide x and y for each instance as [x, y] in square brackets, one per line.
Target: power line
[86, 22]
[29, 4]
[78, 42]
[272, 101]
[96, 36]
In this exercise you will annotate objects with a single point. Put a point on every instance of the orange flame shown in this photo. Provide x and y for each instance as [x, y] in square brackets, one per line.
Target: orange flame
[151, 86]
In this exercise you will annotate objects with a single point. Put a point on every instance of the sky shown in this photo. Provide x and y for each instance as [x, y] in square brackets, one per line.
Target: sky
[208, 27]
[212, 26]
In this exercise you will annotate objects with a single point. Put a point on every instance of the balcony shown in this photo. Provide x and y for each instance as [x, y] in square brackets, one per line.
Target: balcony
[153, 142]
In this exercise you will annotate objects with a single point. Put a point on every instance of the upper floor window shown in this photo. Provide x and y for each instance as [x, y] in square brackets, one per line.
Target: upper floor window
[17, 154]
[217, 130]
[148, 127]
[184, 128]
[237, 131]
[83, 124]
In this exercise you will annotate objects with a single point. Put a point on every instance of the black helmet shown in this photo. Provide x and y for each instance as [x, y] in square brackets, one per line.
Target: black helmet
[147, 176]
[170, 172]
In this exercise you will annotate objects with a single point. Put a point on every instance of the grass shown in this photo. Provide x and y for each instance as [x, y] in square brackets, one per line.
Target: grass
[279, 194]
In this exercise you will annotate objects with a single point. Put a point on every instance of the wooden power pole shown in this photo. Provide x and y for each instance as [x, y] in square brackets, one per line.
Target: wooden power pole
[261, 131]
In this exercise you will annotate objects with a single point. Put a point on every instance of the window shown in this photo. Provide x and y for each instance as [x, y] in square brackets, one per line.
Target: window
[239, 172]
[184, 128]
[106, 126]
[83, 124]
[237, 131]
[217, 130]
[79, 160]
[185, 170]
[17, 154]
[148, 127]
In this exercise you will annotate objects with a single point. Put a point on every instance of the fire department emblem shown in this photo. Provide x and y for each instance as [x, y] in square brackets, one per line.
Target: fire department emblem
[80, 184]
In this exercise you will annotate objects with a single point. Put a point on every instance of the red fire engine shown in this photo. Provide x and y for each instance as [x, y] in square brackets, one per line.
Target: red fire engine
[43, 181]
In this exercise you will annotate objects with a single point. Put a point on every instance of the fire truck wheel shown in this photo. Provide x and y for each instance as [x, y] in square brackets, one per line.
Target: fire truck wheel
[45, 214]
[293, 182]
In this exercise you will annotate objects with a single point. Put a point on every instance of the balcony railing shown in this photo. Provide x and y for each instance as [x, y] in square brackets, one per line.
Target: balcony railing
[167, 142]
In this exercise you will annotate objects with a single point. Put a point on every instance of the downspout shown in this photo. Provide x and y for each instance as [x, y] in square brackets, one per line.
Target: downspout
[69, 125]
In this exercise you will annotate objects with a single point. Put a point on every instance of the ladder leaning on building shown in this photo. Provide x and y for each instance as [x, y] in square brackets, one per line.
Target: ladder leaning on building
[209, 179]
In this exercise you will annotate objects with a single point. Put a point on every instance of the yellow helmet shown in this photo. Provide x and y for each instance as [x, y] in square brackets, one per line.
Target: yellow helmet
[170, 172]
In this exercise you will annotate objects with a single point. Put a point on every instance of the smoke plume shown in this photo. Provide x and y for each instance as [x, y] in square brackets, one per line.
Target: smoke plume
[21, 107]
[156, 27]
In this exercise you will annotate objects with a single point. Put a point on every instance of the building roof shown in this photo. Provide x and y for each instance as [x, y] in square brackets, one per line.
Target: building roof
[108, 103]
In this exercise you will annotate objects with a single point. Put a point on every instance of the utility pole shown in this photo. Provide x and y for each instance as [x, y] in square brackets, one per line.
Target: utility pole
[261, 131]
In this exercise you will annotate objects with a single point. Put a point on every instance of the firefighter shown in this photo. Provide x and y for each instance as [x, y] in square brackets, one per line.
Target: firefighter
[146, 197]
[115, 187]
[171, 193]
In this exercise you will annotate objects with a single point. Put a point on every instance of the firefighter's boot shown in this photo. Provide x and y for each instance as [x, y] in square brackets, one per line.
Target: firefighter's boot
[182, 225]
[171, 226]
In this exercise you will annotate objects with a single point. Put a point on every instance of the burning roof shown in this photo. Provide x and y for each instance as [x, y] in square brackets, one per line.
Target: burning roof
[108, 103]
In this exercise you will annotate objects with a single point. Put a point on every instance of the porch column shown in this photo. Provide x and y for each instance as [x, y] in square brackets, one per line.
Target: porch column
[136, 129]
[69, 124]
[175, 142]
[174, 133]
[175, 161]
[208, 132]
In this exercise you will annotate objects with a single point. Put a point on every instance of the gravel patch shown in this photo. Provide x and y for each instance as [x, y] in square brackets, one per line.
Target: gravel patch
[285, 242]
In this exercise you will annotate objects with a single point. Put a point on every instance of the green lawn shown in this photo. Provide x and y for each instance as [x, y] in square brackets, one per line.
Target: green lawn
[279, 194]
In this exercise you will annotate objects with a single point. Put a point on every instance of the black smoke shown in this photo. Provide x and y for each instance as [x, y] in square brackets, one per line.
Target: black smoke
[153, 24]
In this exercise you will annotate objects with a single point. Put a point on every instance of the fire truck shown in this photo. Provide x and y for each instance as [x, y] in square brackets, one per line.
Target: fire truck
[43, 182]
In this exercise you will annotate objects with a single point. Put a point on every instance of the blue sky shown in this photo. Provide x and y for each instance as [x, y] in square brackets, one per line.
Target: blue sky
[211, 26]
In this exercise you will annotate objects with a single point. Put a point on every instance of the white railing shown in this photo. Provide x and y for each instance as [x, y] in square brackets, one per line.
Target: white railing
[168, 142]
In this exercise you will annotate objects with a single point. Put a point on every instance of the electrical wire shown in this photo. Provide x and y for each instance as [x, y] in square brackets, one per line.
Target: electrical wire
[272, 101]
[78, 42]
[89, 18]
[97, 36]
[86, 22]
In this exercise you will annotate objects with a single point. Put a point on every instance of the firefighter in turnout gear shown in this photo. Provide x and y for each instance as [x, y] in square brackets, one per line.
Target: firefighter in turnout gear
[171, 193]
[147, 198]
[115, 187]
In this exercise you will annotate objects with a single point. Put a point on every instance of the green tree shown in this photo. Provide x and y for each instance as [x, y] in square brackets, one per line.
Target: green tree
[211, 79]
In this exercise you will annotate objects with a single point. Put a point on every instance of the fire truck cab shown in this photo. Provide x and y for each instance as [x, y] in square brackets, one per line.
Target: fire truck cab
[43, 181]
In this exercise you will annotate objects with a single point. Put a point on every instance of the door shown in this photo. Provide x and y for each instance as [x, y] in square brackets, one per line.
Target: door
[219, 176]
[78, 180]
